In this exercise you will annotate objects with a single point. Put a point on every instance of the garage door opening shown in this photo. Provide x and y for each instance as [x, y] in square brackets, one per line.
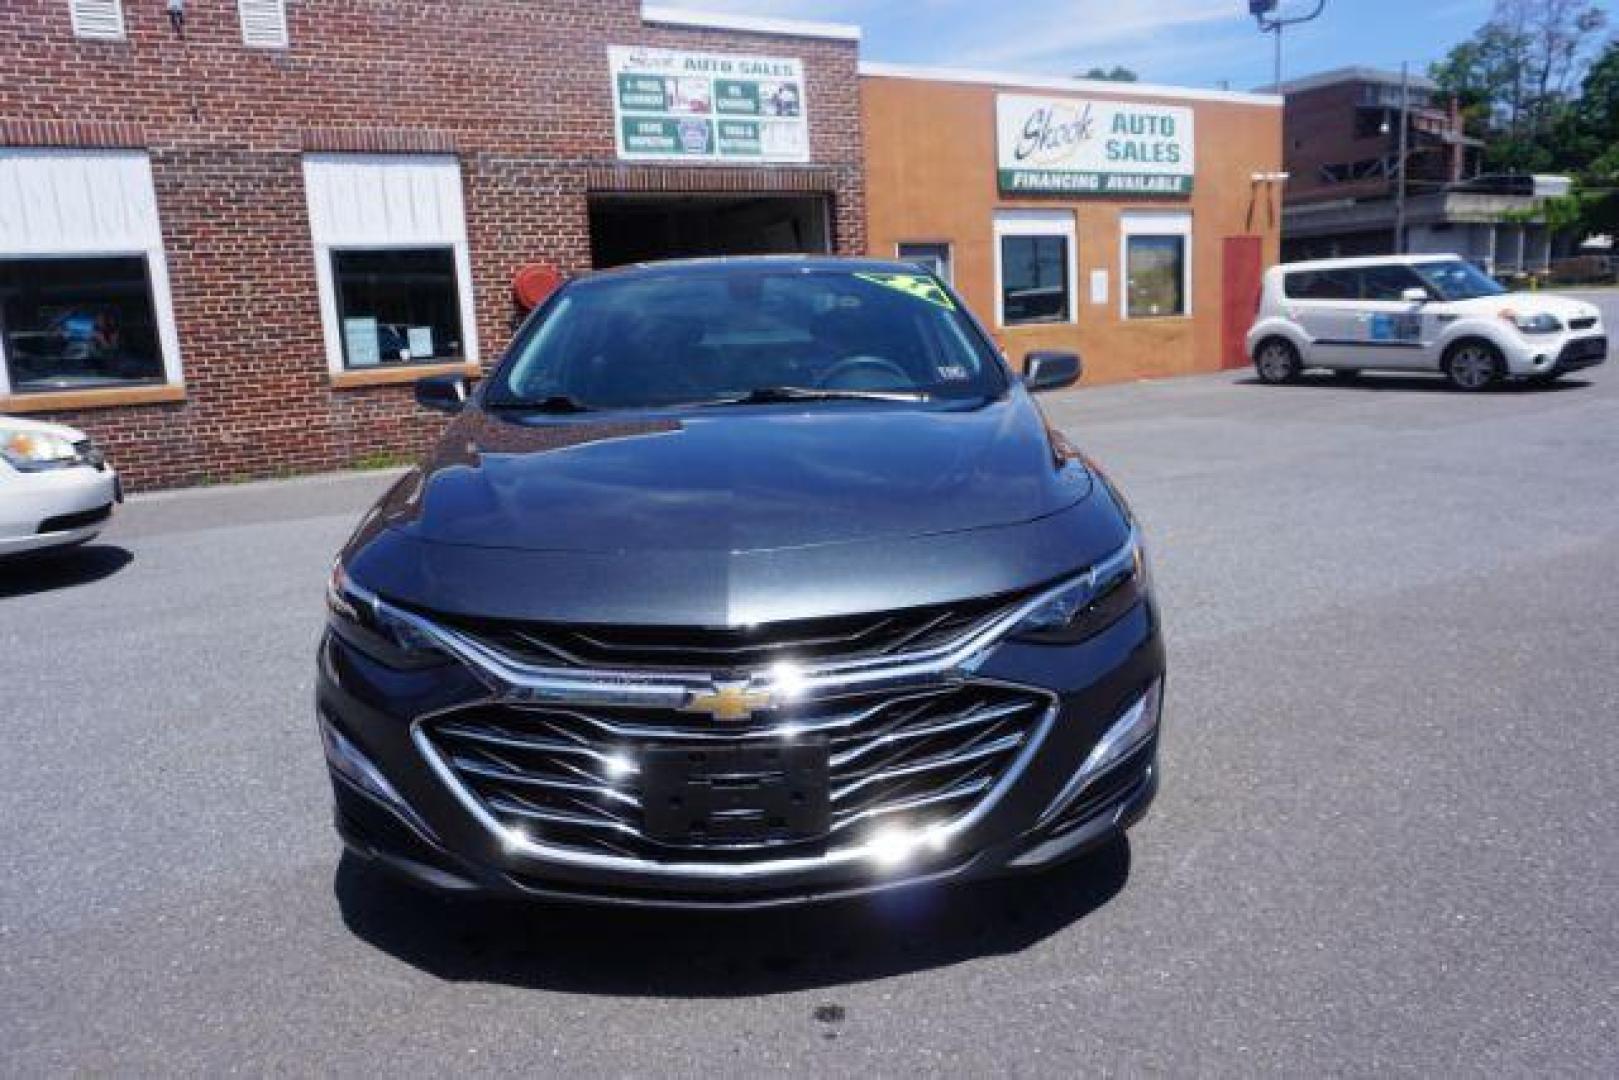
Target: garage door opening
[643, 228]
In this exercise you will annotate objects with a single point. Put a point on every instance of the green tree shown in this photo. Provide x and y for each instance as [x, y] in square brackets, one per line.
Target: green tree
[1115, 74]
[1587, 140]
[1588, 135]
[1513, 78]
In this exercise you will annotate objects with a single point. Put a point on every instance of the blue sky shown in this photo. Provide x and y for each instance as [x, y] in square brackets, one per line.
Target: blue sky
[1188, 42]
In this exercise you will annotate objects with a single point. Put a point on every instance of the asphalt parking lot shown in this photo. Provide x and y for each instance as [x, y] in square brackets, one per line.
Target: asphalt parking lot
[1387, 841]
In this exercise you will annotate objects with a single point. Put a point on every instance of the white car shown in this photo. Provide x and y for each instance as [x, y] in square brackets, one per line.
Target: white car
[1417, 313]
[55, 487]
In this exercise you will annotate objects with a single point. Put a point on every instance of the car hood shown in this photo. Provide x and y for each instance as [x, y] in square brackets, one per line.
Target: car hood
[752, 478]
[1530, 303]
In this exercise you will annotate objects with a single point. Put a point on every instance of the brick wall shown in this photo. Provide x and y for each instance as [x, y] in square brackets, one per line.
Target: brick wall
[518, 90]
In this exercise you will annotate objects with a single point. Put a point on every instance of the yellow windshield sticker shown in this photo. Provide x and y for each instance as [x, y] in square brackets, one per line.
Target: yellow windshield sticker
[918, 285]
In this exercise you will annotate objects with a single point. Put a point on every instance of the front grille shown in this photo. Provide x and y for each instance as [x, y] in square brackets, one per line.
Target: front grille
[570, 777]
[1591, 348]
[1582, 324]
[734, 648]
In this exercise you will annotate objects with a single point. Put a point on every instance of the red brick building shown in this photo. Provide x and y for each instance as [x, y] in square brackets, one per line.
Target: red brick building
[1342, 153]
[230, 239]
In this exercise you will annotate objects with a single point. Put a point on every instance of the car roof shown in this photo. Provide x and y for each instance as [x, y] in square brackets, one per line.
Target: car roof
[848, 264]
[1366, 260]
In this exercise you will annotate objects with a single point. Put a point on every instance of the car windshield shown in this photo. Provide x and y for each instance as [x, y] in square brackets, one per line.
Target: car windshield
[1454, 279]
[724, 334]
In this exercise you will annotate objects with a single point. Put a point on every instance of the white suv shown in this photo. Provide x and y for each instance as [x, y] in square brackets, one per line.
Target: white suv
[1417, 313]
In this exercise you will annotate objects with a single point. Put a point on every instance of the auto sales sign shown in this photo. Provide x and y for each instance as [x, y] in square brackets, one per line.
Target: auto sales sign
[1078, 146]
[708, 106]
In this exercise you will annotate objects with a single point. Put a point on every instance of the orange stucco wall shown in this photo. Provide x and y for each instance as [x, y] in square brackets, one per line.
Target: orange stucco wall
[931, 176]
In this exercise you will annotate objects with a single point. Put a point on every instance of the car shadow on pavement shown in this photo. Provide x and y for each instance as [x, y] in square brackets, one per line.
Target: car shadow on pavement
[1420, 382]
[625, 951]
[45, 571]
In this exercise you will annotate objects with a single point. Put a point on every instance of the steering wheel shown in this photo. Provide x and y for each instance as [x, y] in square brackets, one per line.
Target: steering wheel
[898, 377]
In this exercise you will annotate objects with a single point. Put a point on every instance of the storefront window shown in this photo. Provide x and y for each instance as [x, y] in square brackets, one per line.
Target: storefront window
[1156, 270]
[391, 263]
[78, 323]
[1156, 255]
[398, 306]
[1034, 279]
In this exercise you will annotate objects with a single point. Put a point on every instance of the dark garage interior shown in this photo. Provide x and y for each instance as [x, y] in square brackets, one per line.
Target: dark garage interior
[641, 228]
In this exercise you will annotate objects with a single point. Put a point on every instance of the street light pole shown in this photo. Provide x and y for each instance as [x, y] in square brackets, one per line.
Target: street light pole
[1276, 80]
[1271, 22]
[1404, 152]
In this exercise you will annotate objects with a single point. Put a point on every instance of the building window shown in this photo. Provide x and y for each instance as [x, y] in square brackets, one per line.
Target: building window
[75, 324]
[398, 305]
[1157, 264]
[934, 258]
[391, 261]
[1034, 267]
[84, 286]
[98, 18]
[264, 23]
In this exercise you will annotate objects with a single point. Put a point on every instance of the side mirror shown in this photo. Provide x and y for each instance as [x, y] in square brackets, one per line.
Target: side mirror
[1416, 294]
[1049, 369]
[442, 393]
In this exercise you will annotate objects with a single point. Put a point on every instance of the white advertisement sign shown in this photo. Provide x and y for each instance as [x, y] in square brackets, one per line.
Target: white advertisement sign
[1080, 146]
[683, 106]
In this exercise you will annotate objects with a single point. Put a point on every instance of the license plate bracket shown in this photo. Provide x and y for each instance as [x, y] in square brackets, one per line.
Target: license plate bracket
[696, 795]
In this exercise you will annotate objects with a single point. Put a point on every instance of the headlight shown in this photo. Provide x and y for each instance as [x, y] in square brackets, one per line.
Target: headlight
[1091, 603]
[36, 451]
[1534, 324]
[377, 628]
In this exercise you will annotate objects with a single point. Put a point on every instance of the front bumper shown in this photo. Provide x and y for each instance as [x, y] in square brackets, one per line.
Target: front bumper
[1555, 354]
[55, 508]
[397, 809]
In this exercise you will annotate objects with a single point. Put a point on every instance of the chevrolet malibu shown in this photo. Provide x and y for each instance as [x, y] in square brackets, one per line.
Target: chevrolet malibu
[741, 583]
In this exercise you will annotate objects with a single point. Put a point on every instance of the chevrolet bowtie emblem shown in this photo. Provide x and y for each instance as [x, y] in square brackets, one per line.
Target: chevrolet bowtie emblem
[729, 701]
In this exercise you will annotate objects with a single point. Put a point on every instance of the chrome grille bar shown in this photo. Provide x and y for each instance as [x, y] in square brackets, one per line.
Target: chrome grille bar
[1005, 743]
[564, 781]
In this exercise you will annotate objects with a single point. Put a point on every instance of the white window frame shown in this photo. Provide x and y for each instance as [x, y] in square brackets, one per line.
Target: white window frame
[81, 30]
[332, 228]
[282, 40]
[1052, 223]
[949, 254]
[127, 227]
[1155, 223]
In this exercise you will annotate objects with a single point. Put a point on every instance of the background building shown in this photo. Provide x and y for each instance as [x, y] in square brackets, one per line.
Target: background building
[231, 238]
[1127, 221]
[1342, 153]
[227, 244]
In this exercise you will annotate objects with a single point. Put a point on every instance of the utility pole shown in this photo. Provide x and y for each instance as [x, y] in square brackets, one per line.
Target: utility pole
[1404, 152]
[1266, 13]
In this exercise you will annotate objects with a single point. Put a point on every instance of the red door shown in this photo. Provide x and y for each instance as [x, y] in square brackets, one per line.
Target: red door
[1241, 266]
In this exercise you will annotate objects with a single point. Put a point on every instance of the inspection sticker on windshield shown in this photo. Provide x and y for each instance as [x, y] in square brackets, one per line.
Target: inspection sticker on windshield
[918, 285]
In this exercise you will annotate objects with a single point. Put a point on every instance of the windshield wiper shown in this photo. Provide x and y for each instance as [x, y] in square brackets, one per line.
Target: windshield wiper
[769, 395]
[556, 403]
